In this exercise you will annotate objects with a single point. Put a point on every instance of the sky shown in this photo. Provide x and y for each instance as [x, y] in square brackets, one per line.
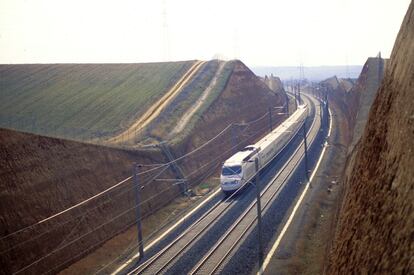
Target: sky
[259, 32]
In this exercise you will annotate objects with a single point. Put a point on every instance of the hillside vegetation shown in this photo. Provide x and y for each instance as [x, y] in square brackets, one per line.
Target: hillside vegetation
[165, 126]
[102, 103]
[81, 101]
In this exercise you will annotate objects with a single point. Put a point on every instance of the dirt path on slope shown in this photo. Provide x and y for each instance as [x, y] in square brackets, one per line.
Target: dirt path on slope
[189, 114]
[156, 108]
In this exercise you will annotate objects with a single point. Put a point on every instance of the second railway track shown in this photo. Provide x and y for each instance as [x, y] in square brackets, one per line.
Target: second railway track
[212, 262]
[164, 261]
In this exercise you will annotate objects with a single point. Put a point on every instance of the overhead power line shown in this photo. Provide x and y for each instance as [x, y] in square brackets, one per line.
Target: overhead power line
[126, 180]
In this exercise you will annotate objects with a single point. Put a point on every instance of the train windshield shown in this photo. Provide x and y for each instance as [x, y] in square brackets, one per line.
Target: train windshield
[231, 170]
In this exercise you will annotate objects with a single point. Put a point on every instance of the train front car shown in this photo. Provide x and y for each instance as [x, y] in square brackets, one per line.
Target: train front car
[231, 177]
[238, 169]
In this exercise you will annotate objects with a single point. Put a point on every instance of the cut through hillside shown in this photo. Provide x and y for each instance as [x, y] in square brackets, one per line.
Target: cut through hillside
[182, 123]
[375, 229]
[147, 117]
[179, 118]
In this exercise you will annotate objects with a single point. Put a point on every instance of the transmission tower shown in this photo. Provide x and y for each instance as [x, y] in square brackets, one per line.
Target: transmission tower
[301, 74]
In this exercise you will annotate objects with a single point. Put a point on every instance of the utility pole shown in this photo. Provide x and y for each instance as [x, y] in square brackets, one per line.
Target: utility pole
[270, 119]
[296, 97]
[327, 109]
[287, 105]
[320, 112]
[259, 212]
[306, 150]
[138, 202]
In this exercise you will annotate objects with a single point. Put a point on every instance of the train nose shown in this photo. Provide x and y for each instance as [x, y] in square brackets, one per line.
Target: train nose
[230, 179]
[230, 182]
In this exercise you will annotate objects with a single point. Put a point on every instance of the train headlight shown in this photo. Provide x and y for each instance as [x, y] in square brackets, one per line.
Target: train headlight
[232, 182]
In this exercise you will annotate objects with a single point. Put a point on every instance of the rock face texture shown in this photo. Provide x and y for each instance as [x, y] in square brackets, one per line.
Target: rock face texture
[366, 88]
[375, 233]
[342, 95]
[355, 100]
[274, 83]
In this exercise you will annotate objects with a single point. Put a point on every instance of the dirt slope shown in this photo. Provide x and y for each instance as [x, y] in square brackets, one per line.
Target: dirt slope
[274, 83]
[40, 176]
[355, 100]
[344, 100]
[366, 88]
[244, 98]
[179, 117]
[183, 122]
[375, 231]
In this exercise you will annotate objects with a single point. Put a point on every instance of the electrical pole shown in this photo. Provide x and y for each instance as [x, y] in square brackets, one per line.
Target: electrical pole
[270, 119]
[138, 202]
[287, 105]
[259, 212]
[327, 109]
[306, 150]
[296, 97]
[320, 111]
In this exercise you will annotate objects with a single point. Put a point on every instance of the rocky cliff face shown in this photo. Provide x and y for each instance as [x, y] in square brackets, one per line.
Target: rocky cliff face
[343, 97]
[274, 83]
[355, 99]
[375, 231]
[366, 89]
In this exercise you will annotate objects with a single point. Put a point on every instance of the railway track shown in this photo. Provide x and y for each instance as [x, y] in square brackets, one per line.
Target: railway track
[211, 262]
[160, 261]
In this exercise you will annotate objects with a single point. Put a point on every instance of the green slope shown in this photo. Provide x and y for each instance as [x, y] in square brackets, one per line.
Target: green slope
[168, 118]
[81, 101]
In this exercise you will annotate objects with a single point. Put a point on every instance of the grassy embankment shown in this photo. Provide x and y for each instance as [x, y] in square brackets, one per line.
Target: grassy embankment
[81, 101]
[169, 118]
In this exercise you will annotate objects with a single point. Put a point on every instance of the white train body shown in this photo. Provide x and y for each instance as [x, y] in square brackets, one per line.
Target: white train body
[240, 168]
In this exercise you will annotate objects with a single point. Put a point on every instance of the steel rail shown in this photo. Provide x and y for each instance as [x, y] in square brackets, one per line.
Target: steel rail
[146, 265]
[233, 228]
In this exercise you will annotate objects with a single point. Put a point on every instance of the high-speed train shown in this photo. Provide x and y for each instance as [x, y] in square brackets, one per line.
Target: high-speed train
[240, 168]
